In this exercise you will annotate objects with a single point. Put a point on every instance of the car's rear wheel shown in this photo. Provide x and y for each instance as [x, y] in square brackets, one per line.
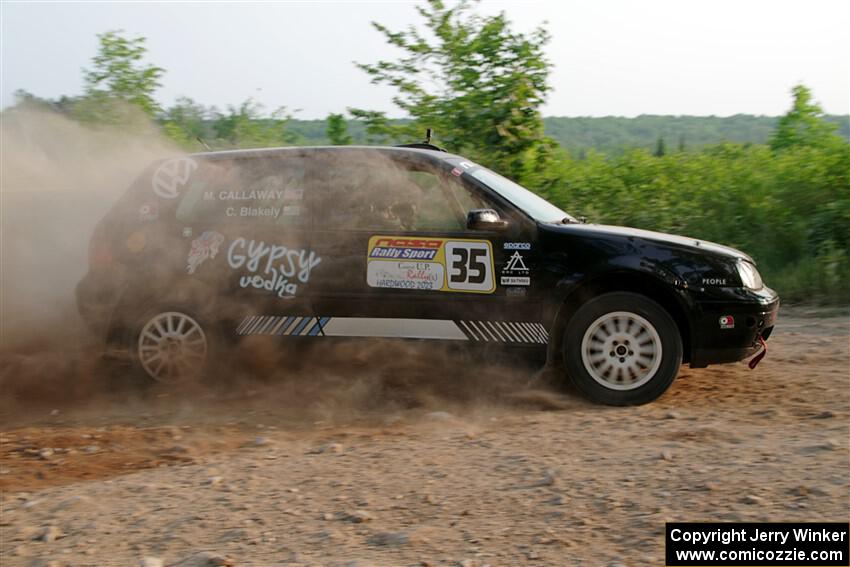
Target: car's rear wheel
[170, 345]
[622, 349]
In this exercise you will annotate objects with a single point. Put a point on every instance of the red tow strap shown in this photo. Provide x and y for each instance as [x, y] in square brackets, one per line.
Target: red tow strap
[754, 361]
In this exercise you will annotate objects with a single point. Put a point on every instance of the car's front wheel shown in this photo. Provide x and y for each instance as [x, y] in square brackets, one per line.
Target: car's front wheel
[622, 349]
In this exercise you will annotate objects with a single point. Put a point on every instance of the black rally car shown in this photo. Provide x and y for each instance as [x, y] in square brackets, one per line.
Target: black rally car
[308, 244]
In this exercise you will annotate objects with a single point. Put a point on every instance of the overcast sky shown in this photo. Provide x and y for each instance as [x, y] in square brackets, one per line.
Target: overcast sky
[611, 57]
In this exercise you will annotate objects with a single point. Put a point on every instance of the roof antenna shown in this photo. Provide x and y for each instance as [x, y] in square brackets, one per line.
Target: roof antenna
[426, 145]
[203, 143]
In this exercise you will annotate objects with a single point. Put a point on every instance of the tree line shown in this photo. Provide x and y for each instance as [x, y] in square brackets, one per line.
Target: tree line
[776, 187]
[612, 135]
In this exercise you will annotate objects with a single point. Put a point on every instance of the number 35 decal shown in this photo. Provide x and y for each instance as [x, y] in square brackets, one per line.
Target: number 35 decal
[430, 264]
[470, 266]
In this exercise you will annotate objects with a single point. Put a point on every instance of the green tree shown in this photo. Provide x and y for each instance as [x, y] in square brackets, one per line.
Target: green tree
[476, 82]
[186, 123]
[118, 71]
[337, 130]
[247, 127]
[660, 150]
[119, 87]
[804, 124]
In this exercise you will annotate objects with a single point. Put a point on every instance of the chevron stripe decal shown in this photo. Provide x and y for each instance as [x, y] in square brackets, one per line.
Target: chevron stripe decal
[289, 326]
[516, 332]
[504, 332]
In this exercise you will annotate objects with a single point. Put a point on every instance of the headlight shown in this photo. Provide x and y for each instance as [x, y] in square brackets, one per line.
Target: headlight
[749, 275]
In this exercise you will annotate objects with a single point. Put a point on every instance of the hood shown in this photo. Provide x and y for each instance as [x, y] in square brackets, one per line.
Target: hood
[695, 244]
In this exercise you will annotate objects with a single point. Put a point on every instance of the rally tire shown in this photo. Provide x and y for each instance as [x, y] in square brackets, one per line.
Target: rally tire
[622, 349]
[171, 345]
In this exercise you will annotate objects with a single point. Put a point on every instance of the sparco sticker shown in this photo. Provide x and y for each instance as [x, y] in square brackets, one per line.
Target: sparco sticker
[727, 322]
[432, 264]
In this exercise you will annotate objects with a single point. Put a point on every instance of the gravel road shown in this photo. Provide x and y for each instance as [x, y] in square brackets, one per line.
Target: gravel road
[334, 470]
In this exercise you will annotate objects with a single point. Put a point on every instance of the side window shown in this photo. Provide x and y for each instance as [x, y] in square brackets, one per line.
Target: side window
[434, 209]
[466, 197]
[351, 195]
[368, 192]
[263, 190]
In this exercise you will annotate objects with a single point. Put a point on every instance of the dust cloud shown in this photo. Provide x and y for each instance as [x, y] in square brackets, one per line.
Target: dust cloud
[59, 178]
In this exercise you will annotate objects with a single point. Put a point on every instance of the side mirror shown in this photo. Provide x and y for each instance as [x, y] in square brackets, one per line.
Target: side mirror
[485, 219]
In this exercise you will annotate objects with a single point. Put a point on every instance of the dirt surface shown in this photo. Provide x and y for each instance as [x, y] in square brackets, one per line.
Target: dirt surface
[335, 470]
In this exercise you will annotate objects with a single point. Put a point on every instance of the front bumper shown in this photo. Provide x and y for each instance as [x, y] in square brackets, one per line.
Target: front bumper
[729, 331]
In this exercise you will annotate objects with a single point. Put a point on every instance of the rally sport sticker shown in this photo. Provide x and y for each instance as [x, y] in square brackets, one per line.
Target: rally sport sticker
[431, 264]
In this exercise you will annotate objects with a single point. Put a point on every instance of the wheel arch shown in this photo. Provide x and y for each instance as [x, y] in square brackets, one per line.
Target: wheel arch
[134, 299]
[663, 293]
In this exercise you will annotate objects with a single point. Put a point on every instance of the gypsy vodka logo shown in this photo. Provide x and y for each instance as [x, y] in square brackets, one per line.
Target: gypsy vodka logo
[277, 269]
[203, 247]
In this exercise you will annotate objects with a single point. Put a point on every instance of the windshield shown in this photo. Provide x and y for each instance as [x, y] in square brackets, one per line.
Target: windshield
[533, 205]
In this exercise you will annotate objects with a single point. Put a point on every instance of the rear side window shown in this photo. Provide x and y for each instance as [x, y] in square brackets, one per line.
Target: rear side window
[373, 192]
[263, 190]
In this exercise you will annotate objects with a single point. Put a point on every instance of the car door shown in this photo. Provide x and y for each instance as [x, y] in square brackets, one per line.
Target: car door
[398, 259]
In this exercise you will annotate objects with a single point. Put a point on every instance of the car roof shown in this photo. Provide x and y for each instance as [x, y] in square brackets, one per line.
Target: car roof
[268, 152]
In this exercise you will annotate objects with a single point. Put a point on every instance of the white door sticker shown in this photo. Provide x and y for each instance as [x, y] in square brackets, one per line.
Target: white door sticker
[470, 266]
[405, 275]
